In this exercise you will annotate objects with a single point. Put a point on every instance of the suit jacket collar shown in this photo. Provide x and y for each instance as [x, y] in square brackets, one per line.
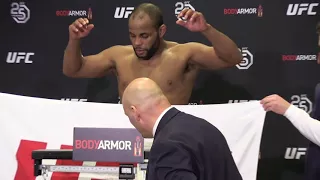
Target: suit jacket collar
[167, 117]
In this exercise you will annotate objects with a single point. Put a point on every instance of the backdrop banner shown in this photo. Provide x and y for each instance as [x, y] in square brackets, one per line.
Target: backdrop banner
[277, 39]
[46, 124]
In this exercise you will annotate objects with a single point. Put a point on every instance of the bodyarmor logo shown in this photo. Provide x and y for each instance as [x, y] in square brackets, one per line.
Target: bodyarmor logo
[247, 60]
[103, 144]
[20, 12]
[299, 57]
[182, 5]
[137, 147]
[299, 9]
[123, 12]
[295, 153]
[302, 102]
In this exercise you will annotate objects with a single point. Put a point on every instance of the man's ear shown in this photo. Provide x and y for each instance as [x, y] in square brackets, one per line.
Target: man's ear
[133, 109]
[162, 30]
[135, 113]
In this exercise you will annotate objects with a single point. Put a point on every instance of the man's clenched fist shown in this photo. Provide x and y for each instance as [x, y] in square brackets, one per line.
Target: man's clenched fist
[275, 103]
[80, 28]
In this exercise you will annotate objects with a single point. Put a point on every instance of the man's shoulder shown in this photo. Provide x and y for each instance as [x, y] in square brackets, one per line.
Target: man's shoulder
[121, 48]
[190, 118]
[119, 51]
[175, 46]
[184, 124]
[191, 124]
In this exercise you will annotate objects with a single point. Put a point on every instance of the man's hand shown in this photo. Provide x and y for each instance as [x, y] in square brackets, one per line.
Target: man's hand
[275, 103]
[80, 28]
[192, 20]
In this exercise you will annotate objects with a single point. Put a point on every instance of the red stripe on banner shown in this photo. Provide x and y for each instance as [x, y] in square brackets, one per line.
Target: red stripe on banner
[25, 162]
[66, 175]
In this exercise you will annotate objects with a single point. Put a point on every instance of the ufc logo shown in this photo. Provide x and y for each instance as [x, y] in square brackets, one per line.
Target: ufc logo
[75, 100]
[123, 12]
[295, 153]
[299, 9]
[18, 57]
[25, 162]
[302, 102]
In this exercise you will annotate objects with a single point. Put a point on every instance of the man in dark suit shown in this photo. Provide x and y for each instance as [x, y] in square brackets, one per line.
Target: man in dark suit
[185, 147]
[312, 166]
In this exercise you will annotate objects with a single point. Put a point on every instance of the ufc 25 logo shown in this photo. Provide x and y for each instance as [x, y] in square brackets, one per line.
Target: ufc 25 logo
[182, 5]
[20, 12]
[18, 57]
[302, 102]
[295, 153]
[299, 9]
[247, 60]
[123, 12]
[74, 100]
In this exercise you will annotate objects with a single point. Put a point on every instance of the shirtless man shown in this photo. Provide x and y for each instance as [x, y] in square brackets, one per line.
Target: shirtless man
[171, 65]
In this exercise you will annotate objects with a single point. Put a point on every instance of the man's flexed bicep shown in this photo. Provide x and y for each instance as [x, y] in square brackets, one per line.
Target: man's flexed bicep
[91, 66]
[98, 65]
[206, 57]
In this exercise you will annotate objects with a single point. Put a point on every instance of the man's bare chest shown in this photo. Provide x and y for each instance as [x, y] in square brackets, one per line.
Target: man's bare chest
[166, 74]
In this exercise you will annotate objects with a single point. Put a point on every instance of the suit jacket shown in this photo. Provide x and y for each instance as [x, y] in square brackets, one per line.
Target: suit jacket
[186, 147]
[312, 166]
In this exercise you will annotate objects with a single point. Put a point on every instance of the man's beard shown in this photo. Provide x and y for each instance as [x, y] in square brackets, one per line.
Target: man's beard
[151, 51]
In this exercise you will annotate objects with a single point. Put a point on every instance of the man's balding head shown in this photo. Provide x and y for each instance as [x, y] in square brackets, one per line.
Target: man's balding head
[141, 90]
[143, 101]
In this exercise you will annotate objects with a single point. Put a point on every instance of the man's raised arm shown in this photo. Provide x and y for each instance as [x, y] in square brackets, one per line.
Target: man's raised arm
[74, 64]
[223, 52]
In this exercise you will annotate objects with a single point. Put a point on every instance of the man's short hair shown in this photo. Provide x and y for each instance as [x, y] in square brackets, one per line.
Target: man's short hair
[153, 11]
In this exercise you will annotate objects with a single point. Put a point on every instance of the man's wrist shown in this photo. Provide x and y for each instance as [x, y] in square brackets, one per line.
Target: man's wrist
[74, 40]
[207, 29]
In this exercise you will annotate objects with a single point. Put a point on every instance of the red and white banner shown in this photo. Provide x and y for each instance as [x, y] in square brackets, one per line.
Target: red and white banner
[33, 123]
